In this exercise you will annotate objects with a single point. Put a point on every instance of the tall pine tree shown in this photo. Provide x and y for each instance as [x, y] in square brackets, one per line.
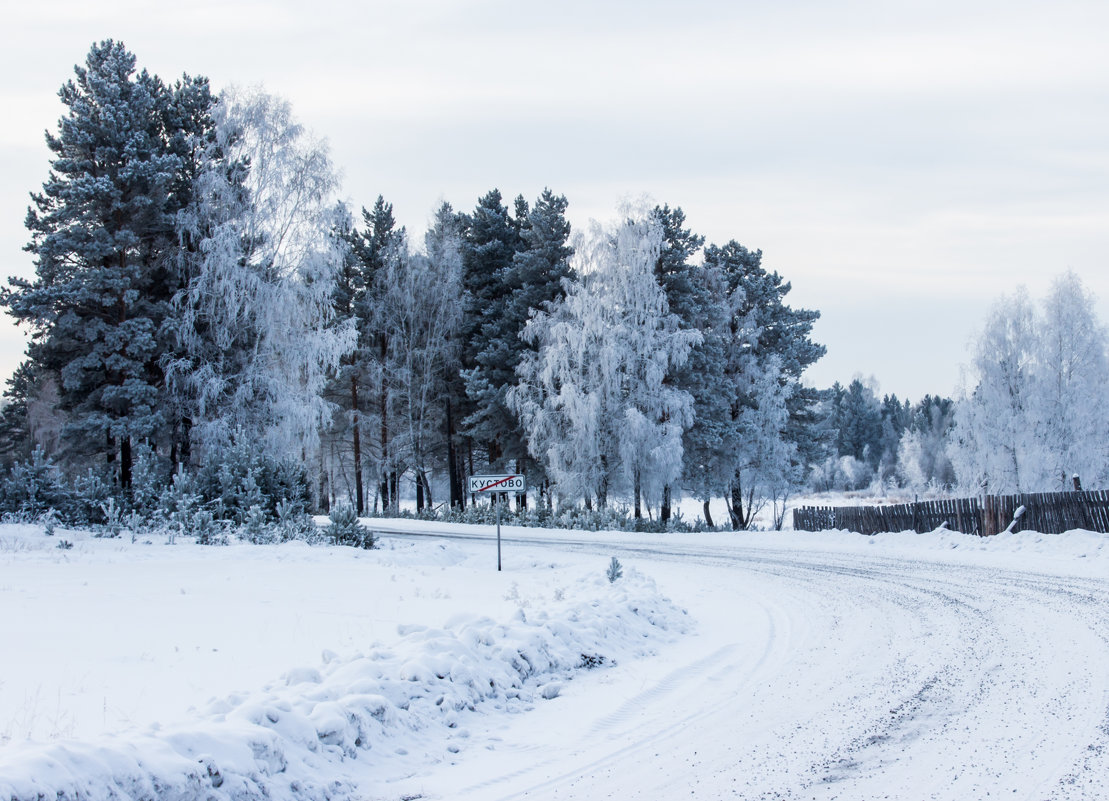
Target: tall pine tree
[102, 232]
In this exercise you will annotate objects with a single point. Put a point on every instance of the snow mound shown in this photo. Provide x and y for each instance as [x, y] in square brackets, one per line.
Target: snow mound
[315, 731]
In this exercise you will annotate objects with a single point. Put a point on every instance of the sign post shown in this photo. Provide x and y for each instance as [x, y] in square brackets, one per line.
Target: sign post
[499, 484]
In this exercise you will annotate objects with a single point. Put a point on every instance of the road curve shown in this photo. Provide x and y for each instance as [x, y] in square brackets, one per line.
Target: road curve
[832, 675]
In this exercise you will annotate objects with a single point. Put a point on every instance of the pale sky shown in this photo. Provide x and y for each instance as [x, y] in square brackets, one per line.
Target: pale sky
[902, 164]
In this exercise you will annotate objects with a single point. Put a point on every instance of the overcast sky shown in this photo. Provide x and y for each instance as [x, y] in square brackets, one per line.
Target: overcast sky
[901, 164]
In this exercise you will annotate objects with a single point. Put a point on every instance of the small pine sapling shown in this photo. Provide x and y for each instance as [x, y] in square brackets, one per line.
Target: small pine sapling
[346, 530]
[615, 570]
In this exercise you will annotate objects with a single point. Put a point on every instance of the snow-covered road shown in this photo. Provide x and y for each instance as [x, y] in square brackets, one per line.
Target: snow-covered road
[831, 674]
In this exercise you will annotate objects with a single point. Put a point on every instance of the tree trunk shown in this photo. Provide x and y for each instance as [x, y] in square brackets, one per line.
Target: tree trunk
[125, 464]
[708, 515]
[521, 497]
[637, 489]
[664, 512]
[359, 493]
[602, 485]
[735, 508]
[419, 492]
[454, 464]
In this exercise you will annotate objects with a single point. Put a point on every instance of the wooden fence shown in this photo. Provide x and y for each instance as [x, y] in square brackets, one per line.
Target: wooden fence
[1046, 512]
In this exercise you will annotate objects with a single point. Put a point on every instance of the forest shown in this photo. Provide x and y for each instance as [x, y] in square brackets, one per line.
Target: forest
[216, 337]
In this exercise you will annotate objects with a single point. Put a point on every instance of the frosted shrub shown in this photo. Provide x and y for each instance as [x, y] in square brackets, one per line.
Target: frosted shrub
[346, 530]
[112, 523]
[32, 487]
[293, 523]
[206, 529]
[90, 492]
[49, 521]
[256, 527]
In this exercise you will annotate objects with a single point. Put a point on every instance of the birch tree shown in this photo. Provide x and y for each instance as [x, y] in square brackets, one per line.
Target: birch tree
[594, 397]
[252, 320]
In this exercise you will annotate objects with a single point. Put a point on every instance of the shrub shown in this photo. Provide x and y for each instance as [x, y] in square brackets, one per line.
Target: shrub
[346, 530]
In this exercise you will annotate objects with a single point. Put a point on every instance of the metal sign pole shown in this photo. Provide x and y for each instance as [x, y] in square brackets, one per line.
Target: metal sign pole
[494, 485]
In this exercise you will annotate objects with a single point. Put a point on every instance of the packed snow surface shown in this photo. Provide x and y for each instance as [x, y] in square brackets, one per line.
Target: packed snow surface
[796, 665]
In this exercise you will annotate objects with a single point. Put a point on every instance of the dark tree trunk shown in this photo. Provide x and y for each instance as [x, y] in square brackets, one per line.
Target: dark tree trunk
[359, 492]
[521, 497]
[419, 492]
[708, 515]
[664, 512]
[125, 464]
[637, 489]
[454, 478]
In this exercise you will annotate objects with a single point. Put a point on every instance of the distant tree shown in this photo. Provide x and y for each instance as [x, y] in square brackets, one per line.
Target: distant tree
[380, 246]
[347, 390]
[923, 461]
[689, 295]
[995, 430]
[1072, 384]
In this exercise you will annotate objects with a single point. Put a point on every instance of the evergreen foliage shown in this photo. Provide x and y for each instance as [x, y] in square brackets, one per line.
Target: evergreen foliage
[103, 237]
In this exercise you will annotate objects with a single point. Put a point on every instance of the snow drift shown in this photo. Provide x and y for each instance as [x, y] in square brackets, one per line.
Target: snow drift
[310, 734]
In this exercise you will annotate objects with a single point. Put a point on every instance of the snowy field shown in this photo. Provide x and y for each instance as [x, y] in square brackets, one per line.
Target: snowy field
[751, 666]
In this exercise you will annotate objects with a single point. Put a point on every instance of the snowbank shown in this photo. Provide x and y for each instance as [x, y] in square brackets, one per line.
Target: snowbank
[315, 731]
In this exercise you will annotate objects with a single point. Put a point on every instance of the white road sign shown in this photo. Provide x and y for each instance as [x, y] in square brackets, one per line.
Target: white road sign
[504, 483]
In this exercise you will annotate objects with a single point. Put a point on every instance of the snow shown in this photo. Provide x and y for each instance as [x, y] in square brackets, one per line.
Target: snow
[816, 665]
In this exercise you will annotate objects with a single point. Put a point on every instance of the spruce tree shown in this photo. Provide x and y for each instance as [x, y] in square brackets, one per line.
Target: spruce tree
[489, 245]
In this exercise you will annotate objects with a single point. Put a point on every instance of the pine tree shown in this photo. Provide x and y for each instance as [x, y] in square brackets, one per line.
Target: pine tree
[490, 242]
[379, 246]
[771, 415]
[347, 389]
[102, 233]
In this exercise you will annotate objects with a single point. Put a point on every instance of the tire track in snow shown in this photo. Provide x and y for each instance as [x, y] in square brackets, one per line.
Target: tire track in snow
[985, 681]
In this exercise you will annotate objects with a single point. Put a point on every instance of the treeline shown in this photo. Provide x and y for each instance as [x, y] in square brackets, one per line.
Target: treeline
[199, 292]
[214, 333]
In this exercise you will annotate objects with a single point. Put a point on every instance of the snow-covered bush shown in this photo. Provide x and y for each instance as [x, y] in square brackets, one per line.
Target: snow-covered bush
[346, 530]
[32, 487]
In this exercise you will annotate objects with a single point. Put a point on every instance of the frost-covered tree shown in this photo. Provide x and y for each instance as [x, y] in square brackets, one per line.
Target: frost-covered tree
[995, 435]
[252, 322]
[421, 318]
[594, 398]
[769, 411]
[691, 293]
[923, 461]
[1072, 383]
[102, 232]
